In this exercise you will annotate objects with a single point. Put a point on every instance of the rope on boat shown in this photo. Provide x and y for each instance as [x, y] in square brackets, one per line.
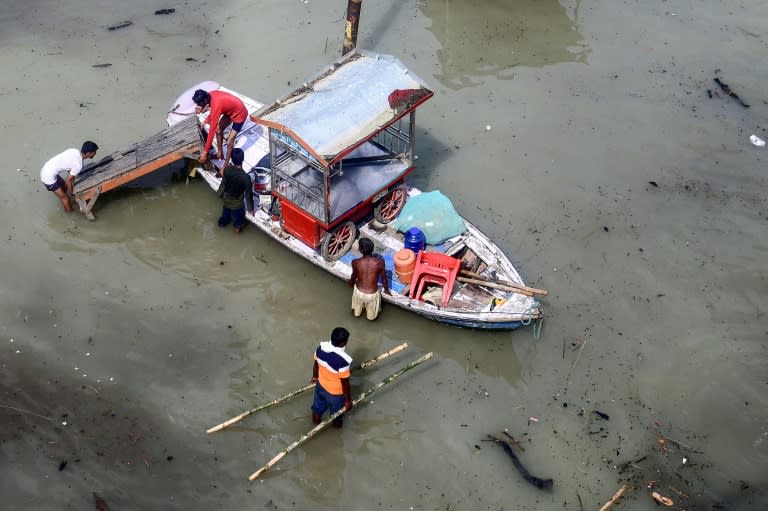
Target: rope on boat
[527, 317]
[536, 328]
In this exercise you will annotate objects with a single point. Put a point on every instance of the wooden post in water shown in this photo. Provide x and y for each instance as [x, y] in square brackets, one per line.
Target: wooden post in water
[350, 27]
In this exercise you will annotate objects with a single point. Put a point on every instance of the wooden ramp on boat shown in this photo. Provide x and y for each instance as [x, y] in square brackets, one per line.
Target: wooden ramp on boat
[179, 141]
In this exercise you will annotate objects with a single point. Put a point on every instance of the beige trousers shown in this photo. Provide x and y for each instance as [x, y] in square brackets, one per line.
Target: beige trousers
[371, 302]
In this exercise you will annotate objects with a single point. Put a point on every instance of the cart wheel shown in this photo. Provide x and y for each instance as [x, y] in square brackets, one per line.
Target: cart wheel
[391, 205]
[339, 241]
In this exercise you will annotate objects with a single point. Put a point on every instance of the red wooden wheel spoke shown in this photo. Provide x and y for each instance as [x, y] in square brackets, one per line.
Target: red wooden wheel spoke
[391, 203]
[339, 240]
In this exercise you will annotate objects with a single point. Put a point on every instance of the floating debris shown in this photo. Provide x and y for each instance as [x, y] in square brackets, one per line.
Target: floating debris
[165, 11]
[122, 24]
[101, 65]
[757, 141]
[543, 484]
[728, 91]
[101, 504]
[661, 499]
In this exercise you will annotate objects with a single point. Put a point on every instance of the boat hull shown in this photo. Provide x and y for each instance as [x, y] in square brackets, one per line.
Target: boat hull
[478, 310]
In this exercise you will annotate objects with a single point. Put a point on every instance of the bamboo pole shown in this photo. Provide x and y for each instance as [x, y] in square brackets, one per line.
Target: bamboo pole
[330, 419]
[616, 496]
[494, 285]
[529, 289]
[296, 392]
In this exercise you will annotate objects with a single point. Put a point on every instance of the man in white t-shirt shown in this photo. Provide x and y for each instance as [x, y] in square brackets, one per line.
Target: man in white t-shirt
[70, 161]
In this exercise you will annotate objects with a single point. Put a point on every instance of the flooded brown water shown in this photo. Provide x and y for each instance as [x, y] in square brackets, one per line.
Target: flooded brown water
[146, 327]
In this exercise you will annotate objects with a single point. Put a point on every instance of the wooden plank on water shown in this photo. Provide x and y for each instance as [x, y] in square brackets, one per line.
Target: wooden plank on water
[137, 160]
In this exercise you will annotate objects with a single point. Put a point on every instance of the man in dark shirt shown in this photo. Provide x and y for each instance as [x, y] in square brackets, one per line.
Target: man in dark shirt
[234, 188]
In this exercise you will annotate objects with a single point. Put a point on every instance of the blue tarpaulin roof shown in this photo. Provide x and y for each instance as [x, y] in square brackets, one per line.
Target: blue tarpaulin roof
[344, 103]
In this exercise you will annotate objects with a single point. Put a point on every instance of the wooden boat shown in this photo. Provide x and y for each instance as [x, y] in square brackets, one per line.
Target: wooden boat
[335, 152]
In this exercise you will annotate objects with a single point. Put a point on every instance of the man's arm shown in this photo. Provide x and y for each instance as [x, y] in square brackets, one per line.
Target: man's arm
[69, 183]
[353, 277]
[383, 275]
[347, 393]
[314, 373]
[213, 123]
[220, 190]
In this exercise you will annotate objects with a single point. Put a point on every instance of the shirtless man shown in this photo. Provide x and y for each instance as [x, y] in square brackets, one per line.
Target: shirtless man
[366, 271]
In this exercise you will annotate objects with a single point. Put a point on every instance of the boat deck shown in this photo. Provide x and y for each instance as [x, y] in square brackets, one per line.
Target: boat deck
[137, 160]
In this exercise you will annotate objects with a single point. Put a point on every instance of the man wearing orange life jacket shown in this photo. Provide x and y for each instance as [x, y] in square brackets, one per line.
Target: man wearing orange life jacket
[330, 373]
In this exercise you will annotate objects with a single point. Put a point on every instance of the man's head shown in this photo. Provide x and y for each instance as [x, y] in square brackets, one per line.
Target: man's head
[89, 149]
[339, 337]
[201, 98]
[366, 246]
[238, 156]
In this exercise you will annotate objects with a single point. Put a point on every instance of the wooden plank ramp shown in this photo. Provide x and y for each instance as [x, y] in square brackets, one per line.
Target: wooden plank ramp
[141, 158]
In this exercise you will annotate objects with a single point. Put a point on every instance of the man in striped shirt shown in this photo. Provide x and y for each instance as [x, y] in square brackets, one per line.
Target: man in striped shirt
[330, 373]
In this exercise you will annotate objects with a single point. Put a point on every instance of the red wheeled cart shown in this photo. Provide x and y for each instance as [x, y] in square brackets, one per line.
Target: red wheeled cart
[340, 148]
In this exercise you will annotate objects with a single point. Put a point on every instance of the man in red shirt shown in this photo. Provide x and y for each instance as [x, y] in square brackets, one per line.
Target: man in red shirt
[224, 109]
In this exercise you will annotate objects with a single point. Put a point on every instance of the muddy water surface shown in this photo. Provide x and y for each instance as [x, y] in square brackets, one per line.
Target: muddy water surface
[122, 340]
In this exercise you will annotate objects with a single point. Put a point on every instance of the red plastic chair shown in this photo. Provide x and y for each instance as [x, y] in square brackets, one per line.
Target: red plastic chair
[436, 268]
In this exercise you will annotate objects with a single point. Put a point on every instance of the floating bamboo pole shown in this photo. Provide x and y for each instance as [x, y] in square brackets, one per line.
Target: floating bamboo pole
[330, 419]
[296, 392]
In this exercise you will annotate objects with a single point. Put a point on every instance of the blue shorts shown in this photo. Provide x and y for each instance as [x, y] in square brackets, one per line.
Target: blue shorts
[324, 400]
[237, 126]
[55, 186]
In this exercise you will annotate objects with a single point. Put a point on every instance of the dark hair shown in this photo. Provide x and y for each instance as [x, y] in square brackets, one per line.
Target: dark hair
[89, 147]
[366, 246]
[237, 156]
[339, 336]
[201, 98]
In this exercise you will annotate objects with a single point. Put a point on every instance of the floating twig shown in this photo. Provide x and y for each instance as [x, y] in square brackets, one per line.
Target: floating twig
[728, 91]
[514, 442]
[681, 444]
[616, 497]
[577, 360]
[27, 411]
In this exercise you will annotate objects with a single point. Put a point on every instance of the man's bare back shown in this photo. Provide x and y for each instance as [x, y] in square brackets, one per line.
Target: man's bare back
[366, 271]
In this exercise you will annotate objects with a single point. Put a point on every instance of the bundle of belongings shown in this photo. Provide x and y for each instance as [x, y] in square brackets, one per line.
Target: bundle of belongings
[433, 213]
